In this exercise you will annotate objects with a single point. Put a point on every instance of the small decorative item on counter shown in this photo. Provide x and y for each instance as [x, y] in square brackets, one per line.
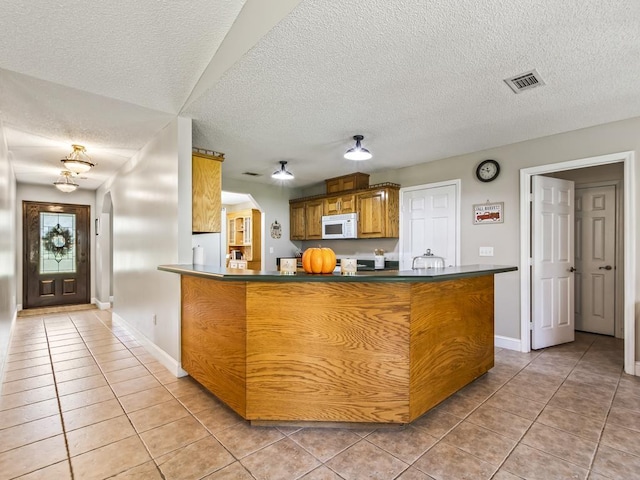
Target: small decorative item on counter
[378, 262]
[288, 266]
[348, 266]
[318, 260]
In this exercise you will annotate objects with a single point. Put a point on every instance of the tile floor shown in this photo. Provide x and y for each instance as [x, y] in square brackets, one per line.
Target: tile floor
[82, 399]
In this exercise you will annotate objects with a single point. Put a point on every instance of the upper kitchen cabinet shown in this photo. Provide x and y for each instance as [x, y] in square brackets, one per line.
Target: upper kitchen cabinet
[297, 229]
[353, 181]
[379, 212]
[305, 219]
[345, 203]
[206, 192]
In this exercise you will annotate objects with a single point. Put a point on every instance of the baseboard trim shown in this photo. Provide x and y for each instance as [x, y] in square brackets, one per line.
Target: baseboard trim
[163, 357]
[101, 305]
[637, 372]
[18, 307]
[507, 343]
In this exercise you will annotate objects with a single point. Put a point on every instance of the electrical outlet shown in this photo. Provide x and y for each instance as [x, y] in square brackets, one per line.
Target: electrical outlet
[270, 249]
[155, 319]
[486, 252]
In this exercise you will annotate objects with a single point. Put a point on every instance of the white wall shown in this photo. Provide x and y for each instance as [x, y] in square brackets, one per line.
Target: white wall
[505, 237]
[151, 219]
[8, 275]
[50, 194]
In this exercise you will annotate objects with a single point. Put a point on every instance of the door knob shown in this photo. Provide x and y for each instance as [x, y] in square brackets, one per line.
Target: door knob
[607, 267]
[572, 269]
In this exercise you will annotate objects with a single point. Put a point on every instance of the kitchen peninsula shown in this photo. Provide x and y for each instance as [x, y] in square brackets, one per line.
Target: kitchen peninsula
[376, 347]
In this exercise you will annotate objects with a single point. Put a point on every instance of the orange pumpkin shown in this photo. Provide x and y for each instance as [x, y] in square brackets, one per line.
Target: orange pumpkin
[318, 260]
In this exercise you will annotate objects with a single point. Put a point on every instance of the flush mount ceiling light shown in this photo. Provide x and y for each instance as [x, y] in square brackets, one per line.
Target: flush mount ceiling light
[282, 173]
[358, 152]
[65, 183]
[78, 161]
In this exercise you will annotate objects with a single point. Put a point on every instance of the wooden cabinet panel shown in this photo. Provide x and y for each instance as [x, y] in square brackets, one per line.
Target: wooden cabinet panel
[313, 219]
[305, 220]
[341, 204]
[353, 181]
[378, 213]
[213, 338]
[206, 178]
[297, 227]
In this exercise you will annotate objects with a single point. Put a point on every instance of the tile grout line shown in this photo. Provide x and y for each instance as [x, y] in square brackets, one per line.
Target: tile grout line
[55, 385]
[540, 412]
[102, 372]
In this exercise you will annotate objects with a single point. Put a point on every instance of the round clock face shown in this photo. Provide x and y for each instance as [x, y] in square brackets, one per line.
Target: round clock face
[487, 170]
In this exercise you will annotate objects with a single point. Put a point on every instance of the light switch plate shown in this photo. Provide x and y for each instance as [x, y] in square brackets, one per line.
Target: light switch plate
[486, 252]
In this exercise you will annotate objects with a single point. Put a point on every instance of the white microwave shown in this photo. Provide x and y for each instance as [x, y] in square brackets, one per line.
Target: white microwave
[340, 226]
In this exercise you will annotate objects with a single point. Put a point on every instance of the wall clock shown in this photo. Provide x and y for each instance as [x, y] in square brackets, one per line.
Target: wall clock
[488, 170]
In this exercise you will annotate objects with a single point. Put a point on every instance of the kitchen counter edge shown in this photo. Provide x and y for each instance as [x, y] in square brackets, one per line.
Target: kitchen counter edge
[422, 275]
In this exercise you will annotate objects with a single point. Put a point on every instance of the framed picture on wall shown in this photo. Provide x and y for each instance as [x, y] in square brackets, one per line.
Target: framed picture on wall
[488, 213]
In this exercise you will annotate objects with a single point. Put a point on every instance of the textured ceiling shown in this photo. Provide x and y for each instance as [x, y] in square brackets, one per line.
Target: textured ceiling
[420, 80]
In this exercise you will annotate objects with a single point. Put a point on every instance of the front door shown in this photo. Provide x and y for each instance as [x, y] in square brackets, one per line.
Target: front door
[552, 286]
[429, 221]
[595, 259]
[56, 254]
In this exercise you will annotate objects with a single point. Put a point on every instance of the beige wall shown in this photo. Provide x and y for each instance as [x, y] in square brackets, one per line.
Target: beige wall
[505, 237]
[151, 222]
[8, 276]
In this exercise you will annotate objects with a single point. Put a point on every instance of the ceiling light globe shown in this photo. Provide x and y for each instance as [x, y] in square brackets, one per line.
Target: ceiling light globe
[77, 166]
[358, 152]
[65, 183]
[78, 161]
[282, 173]
[358, 155]
[66, 187]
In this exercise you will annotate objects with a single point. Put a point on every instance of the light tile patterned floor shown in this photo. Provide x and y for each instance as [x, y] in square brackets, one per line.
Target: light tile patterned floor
[82, 399]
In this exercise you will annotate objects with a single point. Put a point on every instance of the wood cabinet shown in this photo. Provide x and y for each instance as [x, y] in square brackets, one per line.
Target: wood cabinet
[353, 181]
[305, 219]
[378, 213]
[297, 223]
[340, 204]
[378, 209]
[244, 235]
[206, 178]
[313, 219]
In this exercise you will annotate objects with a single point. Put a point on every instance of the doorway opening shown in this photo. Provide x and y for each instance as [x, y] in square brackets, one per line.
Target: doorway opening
[104, 254]
[242, 242]
[628, 228]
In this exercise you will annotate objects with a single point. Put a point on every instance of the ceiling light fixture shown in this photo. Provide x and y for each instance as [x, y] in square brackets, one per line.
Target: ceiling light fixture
[78, 161]
[358, 152]
[65, 183]
[282, 173]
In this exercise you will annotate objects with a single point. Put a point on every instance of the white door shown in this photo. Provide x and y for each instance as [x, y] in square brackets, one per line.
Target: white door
[429, 221]
[552, 286]
[595, 259]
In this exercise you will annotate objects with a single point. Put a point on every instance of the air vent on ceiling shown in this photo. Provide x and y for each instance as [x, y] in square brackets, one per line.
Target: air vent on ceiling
[525, 81]
[252, 174]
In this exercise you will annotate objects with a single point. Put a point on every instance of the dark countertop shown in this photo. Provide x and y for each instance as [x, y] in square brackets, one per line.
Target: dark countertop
[422, 275]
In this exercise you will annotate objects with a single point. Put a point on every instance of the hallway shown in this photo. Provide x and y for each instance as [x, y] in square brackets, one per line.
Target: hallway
[81, 399]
